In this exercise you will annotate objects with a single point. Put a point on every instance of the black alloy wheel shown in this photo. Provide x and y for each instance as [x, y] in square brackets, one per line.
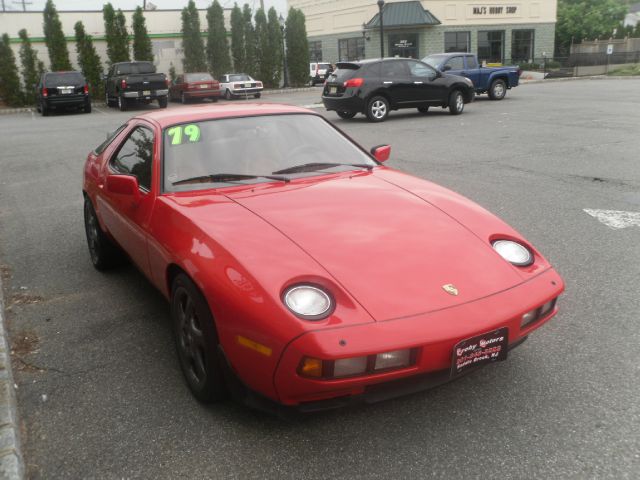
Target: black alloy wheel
[104, 254]
[456, 102]
[346, 115]
[196, 340]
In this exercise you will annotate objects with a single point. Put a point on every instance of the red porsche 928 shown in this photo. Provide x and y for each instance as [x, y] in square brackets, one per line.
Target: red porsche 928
[302, 279]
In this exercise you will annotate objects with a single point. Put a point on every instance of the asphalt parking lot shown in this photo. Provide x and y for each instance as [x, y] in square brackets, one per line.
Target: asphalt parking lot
[100, 392]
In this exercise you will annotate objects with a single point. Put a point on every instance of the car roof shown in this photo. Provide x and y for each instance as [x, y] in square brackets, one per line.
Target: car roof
[199, 113]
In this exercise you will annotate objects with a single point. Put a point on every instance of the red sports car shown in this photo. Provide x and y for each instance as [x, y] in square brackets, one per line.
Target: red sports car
[304, 280]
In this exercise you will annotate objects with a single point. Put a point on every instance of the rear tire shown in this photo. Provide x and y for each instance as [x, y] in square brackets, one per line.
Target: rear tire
[423, 109]
[346, 115]
[257, 95]
[122, 103]
[162, 102]
[44, 110]
[183, 99]
[196, 340]
[497, 90]
[378, 109]
[87, 107]
[104, 254]
[456, 102]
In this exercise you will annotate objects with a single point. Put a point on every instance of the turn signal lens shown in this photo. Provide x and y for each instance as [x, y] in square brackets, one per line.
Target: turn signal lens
[529, 317]
[311, 367]
[547, 307]
[395, 359]
[354, 82]
[349, 366]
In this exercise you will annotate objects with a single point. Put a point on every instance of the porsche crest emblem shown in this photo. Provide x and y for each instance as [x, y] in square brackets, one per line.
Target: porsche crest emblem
[450, 288]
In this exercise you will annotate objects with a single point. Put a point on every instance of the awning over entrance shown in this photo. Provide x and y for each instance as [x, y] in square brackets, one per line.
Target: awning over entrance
[403, 14]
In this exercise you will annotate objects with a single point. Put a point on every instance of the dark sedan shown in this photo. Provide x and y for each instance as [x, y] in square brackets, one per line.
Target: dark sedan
[375, 87]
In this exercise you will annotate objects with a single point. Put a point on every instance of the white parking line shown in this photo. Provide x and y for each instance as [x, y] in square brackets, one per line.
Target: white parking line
[615, 219]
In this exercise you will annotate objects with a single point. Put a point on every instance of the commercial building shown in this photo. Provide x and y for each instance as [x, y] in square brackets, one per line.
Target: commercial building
[498, 31]
[164, 27]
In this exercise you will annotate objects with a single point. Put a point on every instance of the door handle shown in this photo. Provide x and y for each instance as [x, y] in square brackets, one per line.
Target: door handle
[418, 83]
[386, 83]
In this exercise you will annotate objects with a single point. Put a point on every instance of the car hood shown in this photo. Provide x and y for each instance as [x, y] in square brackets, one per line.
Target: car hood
[390, 249]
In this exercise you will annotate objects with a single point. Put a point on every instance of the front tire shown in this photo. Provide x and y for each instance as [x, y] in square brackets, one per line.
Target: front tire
[346, 115]
[456, 102]
[378, 109]
[497, 90]
[227, 95]
[104, 254]
[196, 340]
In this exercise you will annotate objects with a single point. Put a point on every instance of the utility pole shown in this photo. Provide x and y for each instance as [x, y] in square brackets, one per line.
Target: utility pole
[262, 4]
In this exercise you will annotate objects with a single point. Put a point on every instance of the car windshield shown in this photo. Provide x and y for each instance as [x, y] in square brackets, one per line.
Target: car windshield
[63, 79]
[239, 78]
[434, 60]
[216, 153]
[198, 77]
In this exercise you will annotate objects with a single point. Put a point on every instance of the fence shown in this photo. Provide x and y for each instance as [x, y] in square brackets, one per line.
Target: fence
[580, 64]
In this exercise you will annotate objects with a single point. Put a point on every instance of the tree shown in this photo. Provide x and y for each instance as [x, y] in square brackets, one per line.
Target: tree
[172, 72]
[217, 45]
[89, 60]
[274, 48]
[9, 80]
[194, 59]
[141, 42]
[250, 59]
[116, 35]
[237, 39]
[54, 39]
[29, 62]
[264, 64]
[586, 19]
[297, 47]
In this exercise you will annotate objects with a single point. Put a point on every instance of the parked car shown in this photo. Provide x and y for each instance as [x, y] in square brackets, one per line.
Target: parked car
[194, 86]
[375, 87]
[61, 90]
[298, 280]
[129, 82]
[234, 85]
[492, 80]
[318, 72]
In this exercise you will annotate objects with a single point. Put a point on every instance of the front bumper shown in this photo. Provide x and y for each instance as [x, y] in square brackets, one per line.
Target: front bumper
[434, 334]
[245, 91]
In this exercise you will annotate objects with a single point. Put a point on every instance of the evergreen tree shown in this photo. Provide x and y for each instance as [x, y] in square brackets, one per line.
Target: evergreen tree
[217, 45]
[237, 39]
[9, 80]
[297, 47]
[274, 47]
[172, 72]
[194, 58]
[250, 59]
[54, 39]
[29, 62]
[116, 34]
[264, 63]
[89, 61]
[141, 42]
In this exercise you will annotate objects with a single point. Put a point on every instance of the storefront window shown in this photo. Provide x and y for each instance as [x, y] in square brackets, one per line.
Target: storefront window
[457, 42]
[351, 49]
[403, 45]
[315, 51]
[522, 45]
[491, 46]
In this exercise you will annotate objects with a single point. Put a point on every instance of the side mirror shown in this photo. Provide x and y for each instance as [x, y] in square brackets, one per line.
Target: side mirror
[381, 152]
[123, 185]
[446, 68]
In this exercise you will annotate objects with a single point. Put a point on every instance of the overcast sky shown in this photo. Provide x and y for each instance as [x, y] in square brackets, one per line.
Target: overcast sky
[38, 5]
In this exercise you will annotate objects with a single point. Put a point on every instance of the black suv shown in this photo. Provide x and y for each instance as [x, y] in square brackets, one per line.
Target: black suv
[58, 90]
[374, 87]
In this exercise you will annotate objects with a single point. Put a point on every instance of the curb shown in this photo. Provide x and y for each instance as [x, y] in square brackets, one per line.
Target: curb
[590, 77]
[291, 90]
[11, 462]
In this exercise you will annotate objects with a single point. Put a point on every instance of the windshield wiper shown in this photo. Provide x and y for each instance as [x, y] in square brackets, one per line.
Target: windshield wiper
[313, 167]
[229, 178]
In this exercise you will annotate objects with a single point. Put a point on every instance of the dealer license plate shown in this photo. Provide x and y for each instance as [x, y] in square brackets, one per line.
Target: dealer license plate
[66, 91]
[204, 86]
[333, 90]
[480, 350]
[146, 93]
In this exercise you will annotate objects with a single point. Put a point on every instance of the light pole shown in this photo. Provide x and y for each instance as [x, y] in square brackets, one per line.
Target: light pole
[285, 83]
[380, 5]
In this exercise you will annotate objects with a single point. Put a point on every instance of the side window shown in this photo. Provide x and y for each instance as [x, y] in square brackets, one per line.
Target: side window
[135, 156]
[456, 63]
[102, 147]
[419, 69]
[471, 62]
[394, 69]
